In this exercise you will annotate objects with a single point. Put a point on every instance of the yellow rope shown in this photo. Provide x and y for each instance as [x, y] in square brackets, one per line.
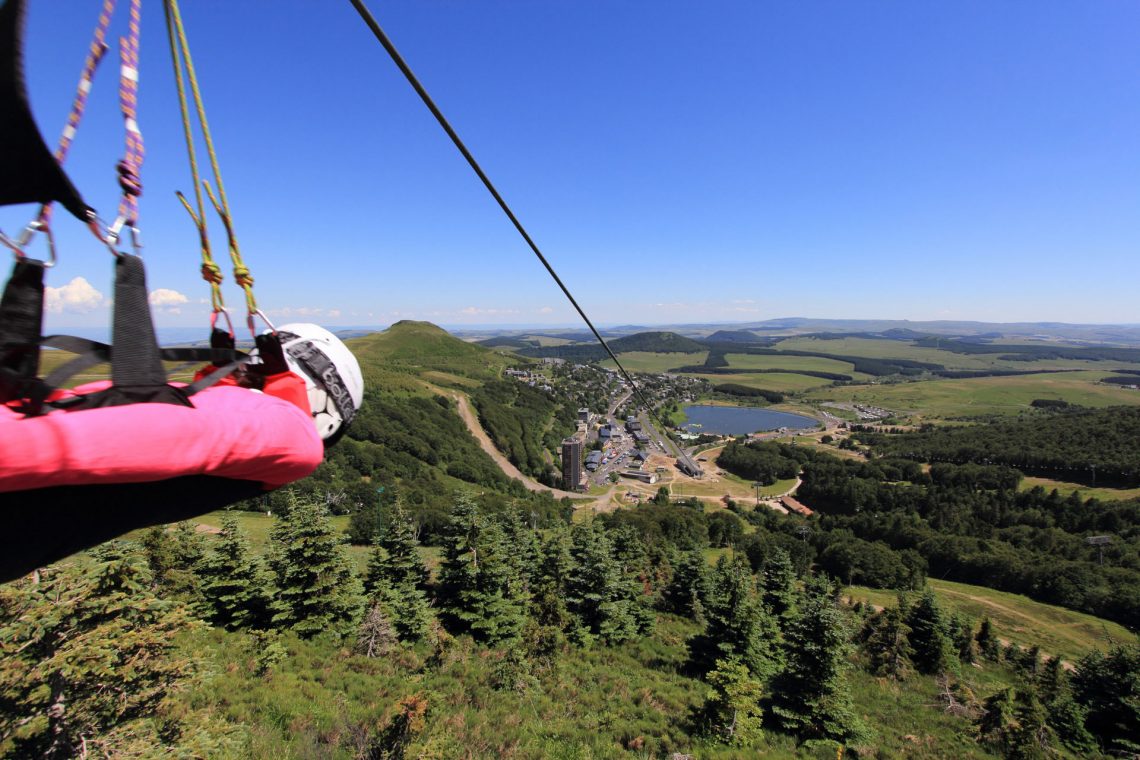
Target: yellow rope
[179, 44]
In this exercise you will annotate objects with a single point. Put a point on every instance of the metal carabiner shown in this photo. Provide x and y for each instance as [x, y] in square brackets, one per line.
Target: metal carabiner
[34, 226]
[229, 322]
[114, 235]
[252, 328]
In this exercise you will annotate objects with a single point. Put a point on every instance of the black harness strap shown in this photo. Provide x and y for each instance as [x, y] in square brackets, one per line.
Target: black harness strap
[21, 319]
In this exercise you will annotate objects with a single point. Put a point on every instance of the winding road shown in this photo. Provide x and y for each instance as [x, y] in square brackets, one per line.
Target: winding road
[467, 414]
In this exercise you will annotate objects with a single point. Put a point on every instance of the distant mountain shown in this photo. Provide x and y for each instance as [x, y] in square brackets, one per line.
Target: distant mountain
[734, 336]
[657, 342]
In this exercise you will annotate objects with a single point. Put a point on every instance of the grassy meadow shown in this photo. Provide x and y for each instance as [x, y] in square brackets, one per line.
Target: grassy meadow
[1017, 618]
[982, 395]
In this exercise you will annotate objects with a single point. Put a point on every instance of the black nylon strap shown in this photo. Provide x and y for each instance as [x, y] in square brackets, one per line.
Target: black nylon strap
[21, 319]
[135, 360]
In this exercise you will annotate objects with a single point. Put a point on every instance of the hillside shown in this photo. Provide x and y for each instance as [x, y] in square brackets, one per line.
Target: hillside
[414, 347]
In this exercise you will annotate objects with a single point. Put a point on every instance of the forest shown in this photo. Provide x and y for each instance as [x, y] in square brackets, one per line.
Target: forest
[591, 639]
[1082, 445]
[519, 418]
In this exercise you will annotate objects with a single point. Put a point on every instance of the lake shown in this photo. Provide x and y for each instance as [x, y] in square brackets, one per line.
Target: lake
[742, 420]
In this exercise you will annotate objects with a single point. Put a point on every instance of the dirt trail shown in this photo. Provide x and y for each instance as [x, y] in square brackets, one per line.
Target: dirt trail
[467, 414]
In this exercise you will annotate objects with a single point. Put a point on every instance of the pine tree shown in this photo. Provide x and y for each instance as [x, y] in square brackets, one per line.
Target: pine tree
[1106, 684]
[931, 648]
[688, 590]
[396, 576]
[83, 654]
[524, 548]
[548, 599]
[317, 589]
[989, 646]
[731, 712]
[172, 556]
[779, 587]
[962, 638]
[598, 591]
[810, 696]
[738, 626]
[885, 639]
[996, 720]
[480, 591]
[1065, 716]
[237, 590]
[1031, 737]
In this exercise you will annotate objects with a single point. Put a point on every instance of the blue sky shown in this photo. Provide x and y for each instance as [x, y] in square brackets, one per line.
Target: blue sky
[677, 162]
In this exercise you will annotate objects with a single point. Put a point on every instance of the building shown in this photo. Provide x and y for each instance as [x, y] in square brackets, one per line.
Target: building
[583, 415]
[641, 438]
[605, 433]
[572, 464]
[593, 460]
[644, 477]
[632, 424]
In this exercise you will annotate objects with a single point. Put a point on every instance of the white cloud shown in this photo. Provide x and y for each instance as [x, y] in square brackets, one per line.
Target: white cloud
[546, 310]
[76, 297]
[167, 300]
[477, 311]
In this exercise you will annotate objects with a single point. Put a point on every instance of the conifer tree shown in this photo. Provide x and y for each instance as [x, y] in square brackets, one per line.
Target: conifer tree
[738, 626]
[996, 720]
[173, 555]
[810, 696]
[731, 712]
[1065, 716]
[778, 582]
[237, 590]
[885, 639]
[598, 591]
[83, 654]
[548, 600]
[317, 590]
[480, 591]
[1105, 684]
[524, 548]
[962, 637]
[931, 649]
[989, 646]
[1030, 737]
[688, 590]
[396, 576]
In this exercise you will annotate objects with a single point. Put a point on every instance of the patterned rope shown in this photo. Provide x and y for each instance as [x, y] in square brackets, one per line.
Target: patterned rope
[129, 167]
[79, 104]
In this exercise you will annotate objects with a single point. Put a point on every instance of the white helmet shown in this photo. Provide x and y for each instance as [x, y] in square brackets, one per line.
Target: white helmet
[332, 376]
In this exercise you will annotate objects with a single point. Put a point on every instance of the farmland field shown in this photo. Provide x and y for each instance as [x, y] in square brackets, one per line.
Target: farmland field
[809, 363]
[646, 361]
[982, 395]
[785, 382]
[895, 349]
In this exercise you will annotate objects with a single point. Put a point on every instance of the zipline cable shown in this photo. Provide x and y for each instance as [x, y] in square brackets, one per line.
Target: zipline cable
[398, 59]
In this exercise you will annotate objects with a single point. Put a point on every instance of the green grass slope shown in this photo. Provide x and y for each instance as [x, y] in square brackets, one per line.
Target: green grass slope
[418, 347]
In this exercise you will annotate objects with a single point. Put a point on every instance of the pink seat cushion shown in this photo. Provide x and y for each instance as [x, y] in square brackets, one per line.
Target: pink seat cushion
[231, 432]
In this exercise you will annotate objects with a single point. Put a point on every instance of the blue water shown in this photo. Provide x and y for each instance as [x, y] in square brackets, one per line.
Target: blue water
[742, 420]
